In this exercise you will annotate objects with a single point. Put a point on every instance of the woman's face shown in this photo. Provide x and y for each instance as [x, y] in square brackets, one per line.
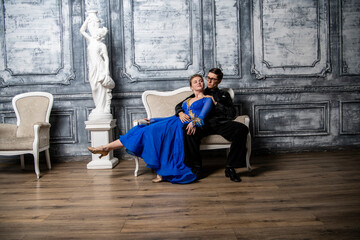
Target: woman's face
[197, 84]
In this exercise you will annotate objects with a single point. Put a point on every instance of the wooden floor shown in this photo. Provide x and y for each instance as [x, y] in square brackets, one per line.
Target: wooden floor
[287, 196]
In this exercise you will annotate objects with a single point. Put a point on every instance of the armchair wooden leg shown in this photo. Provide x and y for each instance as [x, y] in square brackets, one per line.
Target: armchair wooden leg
[36, 164]
[47, 155]
[22, 161]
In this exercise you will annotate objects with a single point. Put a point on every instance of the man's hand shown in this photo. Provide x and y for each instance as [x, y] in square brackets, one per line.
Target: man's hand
[183, 117]
[212, 98]
[191, 129]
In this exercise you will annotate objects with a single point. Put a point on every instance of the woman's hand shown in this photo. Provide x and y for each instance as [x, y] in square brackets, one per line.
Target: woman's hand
[212, 98]
[191, 129]
[183, 117]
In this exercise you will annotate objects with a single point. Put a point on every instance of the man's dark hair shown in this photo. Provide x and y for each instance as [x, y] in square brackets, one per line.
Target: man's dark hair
[218, 73]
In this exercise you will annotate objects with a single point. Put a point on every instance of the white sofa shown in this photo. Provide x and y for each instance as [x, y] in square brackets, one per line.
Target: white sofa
[162, 104]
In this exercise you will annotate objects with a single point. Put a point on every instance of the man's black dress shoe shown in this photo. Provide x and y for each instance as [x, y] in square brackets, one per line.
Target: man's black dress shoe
[231, 173]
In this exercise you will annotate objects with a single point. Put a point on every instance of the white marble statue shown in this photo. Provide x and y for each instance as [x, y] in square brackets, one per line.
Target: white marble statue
[98, 62]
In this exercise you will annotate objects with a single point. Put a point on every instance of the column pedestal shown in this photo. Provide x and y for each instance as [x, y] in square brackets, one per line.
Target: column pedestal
[101, 134]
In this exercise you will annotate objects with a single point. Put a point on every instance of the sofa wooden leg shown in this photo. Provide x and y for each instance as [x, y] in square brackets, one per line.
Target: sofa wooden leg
[22, 161]
[136, 166]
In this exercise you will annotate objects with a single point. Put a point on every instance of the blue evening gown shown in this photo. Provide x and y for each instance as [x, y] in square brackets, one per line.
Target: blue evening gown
[161, 143]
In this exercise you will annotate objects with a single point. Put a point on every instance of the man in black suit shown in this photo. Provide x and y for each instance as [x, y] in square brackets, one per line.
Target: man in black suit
[219, 121]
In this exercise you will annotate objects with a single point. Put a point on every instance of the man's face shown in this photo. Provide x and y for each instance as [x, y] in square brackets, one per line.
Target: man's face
[212, 80]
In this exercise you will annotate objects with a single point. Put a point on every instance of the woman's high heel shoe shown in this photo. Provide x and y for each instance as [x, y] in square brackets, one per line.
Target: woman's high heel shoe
[97, 151]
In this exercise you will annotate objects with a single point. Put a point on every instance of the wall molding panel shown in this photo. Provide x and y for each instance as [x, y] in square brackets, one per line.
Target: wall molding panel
[349, 37]
[349, 117]
[87, 113]
[133, 113]
[35, 48]
[306, 89]
[63, 126]
[290, 38]
[297, 119]
[162, 39]
[8, 117]
[227, 50]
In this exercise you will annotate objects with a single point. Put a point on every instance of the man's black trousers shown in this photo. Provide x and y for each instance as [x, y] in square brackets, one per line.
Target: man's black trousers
[232, 131]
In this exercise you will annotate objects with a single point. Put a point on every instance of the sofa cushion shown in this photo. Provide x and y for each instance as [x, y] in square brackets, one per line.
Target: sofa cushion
[218, 139]
[214, 139]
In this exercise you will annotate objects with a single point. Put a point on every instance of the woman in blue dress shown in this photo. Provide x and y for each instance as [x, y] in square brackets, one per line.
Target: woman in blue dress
[160, 144]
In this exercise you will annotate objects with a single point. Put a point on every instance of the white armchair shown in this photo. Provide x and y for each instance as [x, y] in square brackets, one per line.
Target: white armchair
[31, 134]
[162, 104]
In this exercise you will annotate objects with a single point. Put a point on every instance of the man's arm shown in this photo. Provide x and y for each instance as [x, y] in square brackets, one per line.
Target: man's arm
[178, 108]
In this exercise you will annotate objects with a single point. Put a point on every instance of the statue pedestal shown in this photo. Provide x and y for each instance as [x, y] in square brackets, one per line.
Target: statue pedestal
[101, 134]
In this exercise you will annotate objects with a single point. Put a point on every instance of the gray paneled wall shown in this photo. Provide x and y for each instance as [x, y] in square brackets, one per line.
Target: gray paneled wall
[290, 38]
[294, 65]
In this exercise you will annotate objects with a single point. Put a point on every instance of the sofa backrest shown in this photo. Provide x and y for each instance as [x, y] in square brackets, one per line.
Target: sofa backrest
[162, 104]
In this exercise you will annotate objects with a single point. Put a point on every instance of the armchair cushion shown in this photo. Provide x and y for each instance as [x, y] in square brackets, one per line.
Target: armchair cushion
[16, 143]
[8, 130]
[10, 142]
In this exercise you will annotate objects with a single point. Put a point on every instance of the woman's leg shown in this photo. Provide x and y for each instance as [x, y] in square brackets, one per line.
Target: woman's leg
[112, 146]
[105, 149]
[157, 179]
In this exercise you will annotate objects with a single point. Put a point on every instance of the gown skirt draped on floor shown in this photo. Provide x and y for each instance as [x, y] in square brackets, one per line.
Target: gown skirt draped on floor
[161, 144]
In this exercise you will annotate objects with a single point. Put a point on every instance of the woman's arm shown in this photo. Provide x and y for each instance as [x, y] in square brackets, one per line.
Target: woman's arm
[199, 120]
[179, 111]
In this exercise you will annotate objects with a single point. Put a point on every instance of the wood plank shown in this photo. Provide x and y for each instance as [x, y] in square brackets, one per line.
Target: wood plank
[286, 196]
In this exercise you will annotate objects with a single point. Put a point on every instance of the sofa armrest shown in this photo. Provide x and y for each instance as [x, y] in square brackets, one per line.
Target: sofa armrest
[139, 122]
[244, 119]
[43, 124]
